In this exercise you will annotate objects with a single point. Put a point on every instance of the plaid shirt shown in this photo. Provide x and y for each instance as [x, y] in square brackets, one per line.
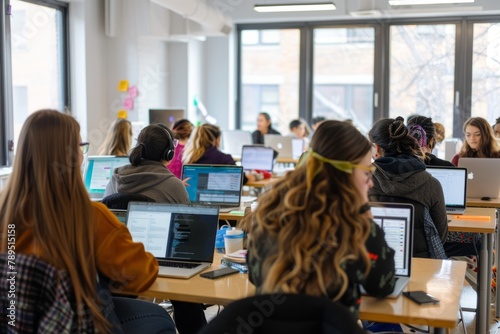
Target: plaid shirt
[43, 296]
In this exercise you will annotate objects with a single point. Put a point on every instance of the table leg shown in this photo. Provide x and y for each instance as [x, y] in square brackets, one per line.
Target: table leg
[482, 302]
[439, 331]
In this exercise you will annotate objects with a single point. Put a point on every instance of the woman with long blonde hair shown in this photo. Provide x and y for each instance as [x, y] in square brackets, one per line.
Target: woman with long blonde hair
[313, 233]
[118, 139]
[55, 220]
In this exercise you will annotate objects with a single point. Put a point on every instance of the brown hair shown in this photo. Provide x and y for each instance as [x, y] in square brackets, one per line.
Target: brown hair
[182, 129]
[45, 194]
[489, 147]
[440, 132]
[313, 217]
[202, 138]
[118, 139]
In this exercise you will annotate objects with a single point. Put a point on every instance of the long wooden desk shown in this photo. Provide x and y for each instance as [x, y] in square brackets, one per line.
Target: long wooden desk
[493, 203]
[441, 278]
[486, 229]
[262, 183]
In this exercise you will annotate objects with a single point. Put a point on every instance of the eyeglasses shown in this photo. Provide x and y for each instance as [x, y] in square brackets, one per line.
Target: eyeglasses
[84, 147]
[344, 166]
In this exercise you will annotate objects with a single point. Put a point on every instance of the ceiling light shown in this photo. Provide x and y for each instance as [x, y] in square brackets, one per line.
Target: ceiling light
[294, 7]
[425, 2]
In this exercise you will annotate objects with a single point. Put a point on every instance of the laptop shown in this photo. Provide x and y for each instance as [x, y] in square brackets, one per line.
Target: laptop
[234, 140]
[219, 185]
[181, 237]
[98, 172]
[286, 146]
[483, 179]
[454, 183]
[257, 157]
[397, 222]
[121, 215]
[166, 116]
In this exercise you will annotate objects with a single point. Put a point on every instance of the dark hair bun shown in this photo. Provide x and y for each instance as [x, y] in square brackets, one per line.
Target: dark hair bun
[397, 128]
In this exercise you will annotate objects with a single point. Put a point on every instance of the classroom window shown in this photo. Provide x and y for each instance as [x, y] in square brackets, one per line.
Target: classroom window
[260, 37]
[37, 48]
[485, 101]
[344, 74]
[422, 71]
[270, 78]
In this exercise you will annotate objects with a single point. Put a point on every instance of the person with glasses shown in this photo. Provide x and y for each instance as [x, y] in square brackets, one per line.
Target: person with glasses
[46, 204]
[313, 232]
[203, 148]
[400, 176]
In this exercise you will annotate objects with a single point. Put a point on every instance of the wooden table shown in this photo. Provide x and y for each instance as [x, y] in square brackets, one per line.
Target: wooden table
[486, 229]
[441, 278]
[262, 183]
[232, 215]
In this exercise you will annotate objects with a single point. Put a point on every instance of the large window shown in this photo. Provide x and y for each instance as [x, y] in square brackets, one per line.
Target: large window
[485, 99]
[35, 44]
[343, 74]
[269, 77]
[422, 72]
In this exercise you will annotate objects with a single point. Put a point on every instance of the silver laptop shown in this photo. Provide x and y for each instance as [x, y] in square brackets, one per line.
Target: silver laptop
[98, 172]
[454, 183]
[397, 222]
[219, 185]
[120, 214]
[181, 237]
[483, 177]
[257, 157]
[286, 146]
[234, 140]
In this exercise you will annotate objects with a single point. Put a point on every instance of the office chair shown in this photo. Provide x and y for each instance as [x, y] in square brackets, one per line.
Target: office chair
[284, 313]
[44, 299]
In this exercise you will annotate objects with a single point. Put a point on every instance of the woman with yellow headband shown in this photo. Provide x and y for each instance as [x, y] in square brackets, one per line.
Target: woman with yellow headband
[313, 232]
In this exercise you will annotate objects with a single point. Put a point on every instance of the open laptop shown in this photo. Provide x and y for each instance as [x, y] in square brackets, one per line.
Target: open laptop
[98, 172]
[286, 146]
[483, 177]
[257, 157]
[181, 237]
[120, 214]
[166, 116]
[234, 140]
[219, 185]
[396, 219]
[454, 183]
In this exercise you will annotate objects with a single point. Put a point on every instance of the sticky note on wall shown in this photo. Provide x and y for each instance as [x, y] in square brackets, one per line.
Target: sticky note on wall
[123, 86]
[122, 114]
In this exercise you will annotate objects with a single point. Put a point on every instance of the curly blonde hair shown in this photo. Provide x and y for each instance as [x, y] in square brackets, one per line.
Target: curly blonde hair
[313, 218]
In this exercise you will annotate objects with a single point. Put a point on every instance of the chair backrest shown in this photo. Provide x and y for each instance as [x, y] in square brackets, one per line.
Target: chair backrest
[43, 298]
[120, 200]
[284, 313]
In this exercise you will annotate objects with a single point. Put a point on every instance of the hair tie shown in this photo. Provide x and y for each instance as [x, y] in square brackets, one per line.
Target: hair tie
[418, 132]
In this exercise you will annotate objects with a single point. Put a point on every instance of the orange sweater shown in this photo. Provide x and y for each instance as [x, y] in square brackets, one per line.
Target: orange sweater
[118, 257]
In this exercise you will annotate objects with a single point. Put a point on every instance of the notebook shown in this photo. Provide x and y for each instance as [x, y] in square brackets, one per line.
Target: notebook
[483, 178]
[286, 146]
[397, 222]
[234, 140]
[257, 157]
[98, 172]
[219, 185]
[181, 237]
[454, 183]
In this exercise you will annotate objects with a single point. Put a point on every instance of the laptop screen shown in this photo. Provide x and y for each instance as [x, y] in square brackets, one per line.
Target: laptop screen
[99, 171]
[257, 158]
[397, 222]
[174, 231]
[454, 182]
[214, 184]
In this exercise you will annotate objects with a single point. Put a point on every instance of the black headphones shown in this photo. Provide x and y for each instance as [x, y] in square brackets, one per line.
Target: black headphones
[170, 151]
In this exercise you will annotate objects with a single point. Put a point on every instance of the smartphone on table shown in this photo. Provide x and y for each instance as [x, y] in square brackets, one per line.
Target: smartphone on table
[219, 273]
[421, 297]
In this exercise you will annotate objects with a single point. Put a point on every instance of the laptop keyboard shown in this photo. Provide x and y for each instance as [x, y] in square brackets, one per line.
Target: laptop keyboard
[174, 264]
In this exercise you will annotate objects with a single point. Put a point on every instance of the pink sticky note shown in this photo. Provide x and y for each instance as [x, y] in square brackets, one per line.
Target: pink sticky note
[128, 103]
[133, 92]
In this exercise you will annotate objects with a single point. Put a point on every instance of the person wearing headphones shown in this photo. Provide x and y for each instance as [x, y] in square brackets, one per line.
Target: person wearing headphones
[148, 175]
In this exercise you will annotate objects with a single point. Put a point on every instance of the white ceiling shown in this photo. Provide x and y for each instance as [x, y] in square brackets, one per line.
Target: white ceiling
[241, 11]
